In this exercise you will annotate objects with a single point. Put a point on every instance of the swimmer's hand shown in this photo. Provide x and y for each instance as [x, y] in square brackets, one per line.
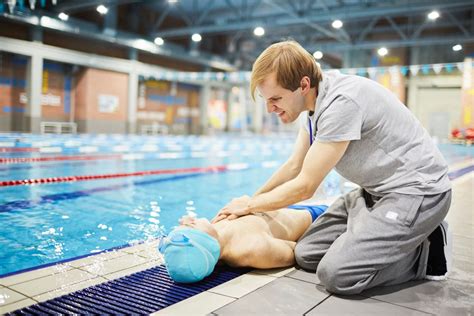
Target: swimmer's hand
[236, 208]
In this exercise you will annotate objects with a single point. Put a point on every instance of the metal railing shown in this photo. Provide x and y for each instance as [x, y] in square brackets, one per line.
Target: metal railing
[154, 129]
[58, 128]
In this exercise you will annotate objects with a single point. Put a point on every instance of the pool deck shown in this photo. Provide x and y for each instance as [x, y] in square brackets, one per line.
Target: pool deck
[275, 292]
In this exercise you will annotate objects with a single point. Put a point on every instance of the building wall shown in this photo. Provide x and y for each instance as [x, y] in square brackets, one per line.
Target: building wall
[101, 101]
[395, 82]
[436, 102]
[12, 92]
[217, 109]
[57, 92]
[168, 106]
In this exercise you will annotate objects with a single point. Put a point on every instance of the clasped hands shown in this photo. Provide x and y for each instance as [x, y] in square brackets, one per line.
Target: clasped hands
[234, 209]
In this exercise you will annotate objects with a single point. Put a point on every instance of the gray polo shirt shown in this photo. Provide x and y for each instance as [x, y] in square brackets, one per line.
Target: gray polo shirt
[389, 149]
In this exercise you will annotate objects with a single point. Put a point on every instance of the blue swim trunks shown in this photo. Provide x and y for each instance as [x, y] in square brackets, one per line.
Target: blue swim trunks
[314, 210]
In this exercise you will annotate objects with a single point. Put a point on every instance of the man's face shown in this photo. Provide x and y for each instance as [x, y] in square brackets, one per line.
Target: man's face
[201, 224]
[285, 103]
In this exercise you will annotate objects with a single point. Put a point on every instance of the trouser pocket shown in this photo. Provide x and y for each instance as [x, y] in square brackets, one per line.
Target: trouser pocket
[397, 208]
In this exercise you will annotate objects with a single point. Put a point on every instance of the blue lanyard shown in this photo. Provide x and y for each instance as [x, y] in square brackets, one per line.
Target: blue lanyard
[310, 132]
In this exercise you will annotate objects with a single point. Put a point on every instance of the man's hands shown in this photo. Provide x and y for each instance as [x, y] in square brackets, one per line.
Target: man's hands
[236, 208]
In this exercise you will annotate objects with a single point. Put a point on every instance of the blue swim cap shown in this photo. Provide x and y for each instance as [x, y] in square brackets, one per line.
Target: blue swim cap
[190, 254]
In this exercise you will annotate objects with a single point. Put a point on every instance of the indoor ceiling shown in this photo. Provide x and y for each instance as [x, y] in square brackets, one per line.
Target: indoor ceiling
[226, 27]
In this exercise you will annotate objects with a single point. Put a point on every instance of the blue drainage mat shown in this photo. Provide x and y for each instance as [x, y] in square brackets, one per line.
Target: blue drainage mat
[143, 292]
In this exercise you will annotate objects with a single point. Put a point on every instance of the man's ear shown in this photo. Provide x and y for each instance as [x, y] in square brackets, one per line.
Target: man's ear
[305, 84]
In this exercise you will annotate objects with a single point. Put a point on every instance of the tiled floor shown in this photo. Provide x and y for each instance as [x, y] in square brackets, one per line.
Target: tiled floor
[40, 285]
[273, 292]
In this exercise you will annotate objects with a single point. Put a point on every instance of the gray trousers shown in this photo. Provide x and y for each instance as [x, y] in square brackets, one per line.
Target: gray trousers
[362, 241]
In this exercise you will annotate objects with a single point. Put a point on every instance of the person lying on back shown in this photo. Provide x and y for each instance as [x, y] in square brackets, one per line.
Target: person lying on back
[260, 240]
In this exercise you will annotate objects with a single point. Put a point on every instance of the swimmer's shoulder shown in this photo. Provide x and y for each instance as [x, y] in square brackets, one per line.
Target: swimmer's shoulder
[245, 250]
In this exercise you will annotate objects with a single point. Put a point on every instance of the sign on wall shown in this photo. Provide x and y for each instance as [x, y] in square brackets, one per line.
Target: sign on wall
[108, 103]
[46, 99]
[50, 99]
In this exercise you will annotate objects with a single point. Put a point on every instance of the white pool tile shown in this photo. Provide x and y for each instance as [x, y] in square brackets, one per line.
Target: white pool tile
[17, 305]
[101, 268]
[128, 271]
[97, 258]
[69, 289]
[52, 282]
[151, 254]
[147, 245]
[35, 274]
[242, 285]
[201, 304]
[8, 296]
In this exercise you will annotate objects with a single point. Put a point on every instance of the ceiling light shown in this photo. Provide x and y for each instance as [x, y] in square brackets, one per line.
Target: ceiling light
[63, 16]
[259, 31]
[382, 51]
[457, 47]
[318, 54]
[172, 1]
[102, 9]
[144, 45]
[337, 24]
[159, 41]
[196, 37]
[433, 15]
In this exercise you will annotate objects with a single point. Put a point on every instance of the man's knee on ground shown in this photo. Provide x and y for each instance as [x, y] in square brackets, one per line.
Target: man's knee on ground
[302, 258]
[335, 278]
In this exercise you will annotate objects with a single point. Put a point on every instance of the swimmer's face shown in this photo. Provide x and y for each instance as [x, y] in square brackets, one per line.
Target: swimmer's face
[201, 224]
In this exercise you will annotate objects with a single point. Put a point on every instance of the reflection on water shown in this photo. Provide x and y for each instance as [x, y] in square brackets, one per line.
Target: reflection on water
[190, 209]
[146, 225]
[50, 244]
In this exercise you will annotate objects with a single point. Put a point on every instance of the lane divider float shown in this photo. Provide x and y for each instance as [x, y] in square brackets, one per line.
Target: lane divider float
[210, 169]
[113, 175]
[4, 160]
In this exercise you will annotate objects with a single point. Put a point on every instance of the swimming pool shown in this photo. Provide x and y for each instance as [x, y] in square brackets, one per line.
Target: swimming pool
[51, 222]
[60, 220]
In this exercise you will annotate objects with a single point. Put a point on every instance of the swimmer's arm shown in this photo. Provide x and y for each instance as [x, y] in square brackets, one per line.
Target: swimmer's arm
[268, 253]
[290, 169]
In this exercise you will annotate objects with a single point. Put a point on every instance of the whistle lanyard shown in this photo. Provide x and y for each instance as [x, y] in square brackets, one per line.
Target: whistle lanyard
[310, 132]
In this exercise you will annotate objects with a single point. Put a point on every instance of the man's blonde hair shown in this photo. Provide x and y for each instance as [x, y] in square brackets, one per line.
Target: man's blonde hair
[290, 61]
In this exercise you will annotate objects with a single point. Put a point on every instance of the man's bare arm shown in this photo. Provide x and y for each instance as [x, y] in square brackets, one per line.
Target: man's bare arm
[321, 158]
[292, 167]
